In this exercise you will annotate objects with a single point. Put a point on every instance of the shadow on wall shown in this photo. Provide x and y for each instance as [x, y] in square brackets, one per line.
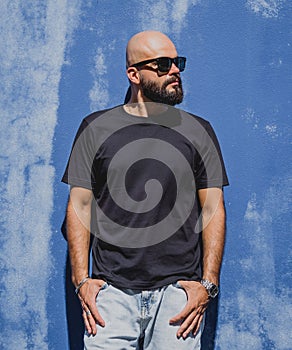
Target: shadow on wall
[209, 334]
[75, 323]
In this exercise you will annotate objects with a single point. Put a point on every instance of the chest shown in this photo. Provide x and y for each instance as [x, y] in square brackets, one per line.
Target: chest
[143, 149]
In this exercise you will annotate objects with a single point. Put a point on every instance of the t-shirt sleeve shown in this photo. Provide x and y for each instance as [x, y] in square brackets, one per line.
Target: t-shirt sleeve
[210, 169]
[79, 167]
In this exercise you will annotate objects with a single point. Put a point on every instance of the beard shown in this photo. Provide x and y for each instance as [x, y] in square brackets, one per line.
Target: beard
[160, 94]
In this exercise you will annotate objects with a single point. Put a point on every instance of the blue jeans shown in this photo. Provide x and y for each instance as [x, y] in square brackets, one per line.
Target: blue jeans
[133, 317]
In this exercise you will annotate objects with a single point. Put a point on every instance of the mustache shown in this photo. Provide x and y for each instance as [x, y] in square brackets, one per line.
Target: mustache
[173, 79]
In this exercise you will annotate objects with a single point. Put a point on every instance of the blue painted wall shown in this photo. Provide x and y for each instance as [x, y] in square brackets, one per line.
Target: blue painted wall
[60, 61]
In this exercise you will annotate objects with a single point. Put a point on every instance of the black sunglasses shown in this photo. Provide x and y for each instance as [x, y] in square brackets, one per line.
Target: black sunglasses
[164, 63]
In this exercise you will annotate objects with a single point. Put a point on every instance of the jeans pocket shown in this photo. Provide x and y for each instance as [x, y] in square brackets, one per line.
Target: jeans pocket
[103, 291]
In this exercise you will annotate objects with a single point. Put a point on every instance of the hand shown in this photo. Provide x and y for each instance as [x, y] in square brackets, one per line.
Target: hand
[87, 295]
[192, 314]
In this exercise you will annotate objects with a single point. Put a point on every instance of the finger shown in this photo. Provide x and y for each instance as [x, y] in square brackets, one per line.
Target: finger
[92, 323]
[89, 321]
[92, 315]
[196, 329]
[86, 322]
[182, 315]
[188, 324]
[191, 326]
[91, 306]
[95, 315]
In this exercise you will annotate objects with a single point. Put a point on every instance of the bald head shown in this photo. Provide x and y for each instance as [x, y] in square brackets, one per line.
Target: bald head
[149, 44]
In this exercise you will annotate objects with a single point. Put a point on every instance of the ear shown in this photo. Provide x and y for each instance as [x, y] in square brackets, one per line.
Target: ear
[133, 75]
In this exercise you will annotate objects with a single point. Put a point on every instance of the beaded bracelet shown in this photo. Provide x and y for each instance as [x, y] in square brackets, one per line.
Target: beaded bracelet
[81, 284]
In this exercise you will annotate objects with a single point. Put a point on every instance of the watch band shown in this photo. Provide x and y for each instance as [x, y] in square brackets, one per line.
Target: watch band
[211, 288]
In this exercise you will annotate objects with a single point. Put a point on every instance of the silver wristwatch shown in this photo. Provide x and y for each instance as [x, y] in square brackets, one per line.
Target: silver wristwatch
[211, 288]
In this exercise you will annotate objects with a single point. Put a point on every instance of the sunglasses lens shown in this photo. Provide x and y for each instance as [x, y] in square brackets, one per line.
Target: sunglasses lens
[180, 62]
[164, 64]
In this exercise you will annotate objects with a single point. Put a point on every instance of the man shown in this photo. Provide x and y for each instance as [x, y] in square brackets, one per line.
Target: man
[151, 282]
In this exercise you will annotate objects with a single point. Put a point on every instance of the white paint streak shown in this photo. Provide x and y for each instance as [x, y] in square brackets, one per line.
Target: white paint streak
[34, 38]
[266, 8]
[251, 118]
[270, 130]
[99, 95]
[261, 314]
[165, 15]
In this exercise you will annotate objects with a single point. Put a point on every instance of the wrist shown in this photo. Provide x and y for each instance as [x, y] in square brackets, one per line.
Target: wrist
[212, 277]
[78, 277]
[81, 283]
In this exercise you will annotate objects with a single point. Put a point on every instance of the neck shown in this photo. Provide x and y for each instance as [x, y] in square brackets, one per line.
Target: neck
[143, 107]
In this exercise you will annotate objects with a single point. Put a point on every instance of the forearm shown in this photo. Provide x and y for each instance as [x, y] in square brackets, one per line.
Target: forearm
[78, 231]
[213, 236]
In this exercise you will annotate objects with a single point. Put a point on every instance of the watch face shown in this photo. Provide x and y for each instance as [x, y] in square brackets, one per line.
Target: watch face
[213, 291]
[211, 288]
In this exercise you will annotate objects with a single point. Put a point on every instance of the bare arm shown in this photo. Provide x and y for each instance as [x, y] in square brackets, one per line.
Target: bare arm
[78, 233]
[213, 236]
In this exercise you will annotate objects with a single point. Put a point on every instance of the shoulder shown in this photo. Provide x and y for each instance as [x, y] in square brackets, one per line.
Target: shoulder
[198, 127]
[86, 127]
[204, 122]
[196, 123]
[97, 114]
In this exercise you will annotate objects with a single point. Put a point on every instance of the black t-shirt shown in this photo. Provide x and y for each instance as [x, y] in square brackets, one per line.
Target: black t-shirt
[144, 174]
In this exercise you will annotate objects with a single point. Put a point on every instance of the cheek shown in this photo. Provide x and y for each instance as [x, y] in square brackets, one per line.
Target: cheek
[160, 83]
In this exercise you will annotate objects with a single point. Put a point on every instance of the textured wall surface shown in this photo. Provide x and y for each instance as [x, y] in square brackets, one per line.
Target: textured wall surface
[60, 60]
